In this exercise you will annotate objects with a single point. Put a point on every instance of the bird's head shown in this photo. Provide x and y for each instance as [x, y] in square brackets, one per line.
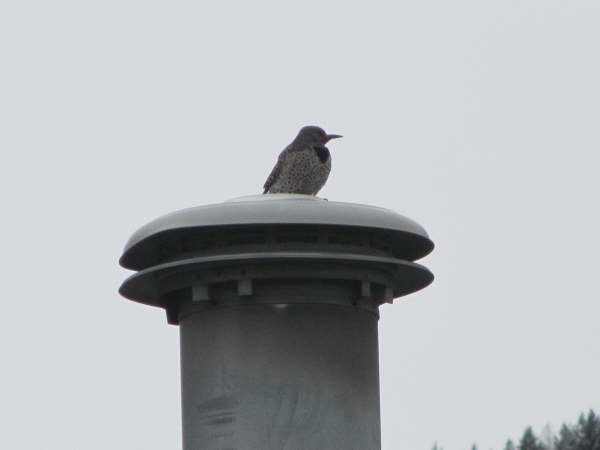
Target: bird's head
[312, 135]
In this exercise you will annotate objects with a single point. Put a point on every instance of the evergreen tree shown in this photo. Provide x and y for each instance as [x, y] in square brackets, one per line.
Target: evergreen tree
[529, 441]
[567, 439]
[585, 435]
[548, 438]
[588, 432]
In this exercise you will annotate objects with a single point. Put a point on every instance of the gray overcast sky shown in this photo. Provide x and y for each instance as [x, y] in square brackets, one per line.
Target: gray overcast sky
[477, 118]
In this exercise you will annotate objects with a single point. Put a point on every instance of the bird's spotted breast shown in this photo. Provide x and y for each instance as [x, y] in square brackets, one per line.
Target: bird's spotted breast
[322, 153]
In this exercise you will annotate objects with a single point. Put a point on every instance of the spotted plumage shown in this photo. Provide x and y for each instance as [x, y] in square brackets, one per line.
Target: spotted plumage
[303, 166]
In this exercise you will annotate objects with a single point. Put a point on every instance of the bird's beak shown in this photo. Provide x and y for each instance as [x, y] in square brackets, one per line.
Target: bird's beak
[333, 136]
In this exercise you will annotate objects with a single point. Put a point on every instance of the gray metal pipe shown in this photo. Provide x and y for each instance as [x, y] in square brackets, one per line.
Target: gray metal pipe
[273, 377]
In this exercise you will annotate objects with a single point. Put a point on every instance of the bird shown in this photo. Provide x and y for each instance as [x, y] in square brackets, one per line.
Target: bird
[303, 166]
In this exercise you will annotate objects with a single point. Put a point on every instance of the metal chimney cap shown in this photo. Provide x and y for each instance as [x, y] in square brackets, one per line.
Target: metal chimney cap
[275, 209]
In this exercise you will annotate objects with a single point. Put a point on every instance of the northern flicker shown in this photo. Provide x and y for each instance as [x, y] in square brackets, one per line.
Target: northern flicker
[304, 165]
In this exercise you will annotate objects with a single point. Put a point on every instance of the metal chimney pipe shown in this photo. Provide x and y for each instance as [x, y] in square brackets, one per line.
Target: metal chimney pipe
[277, 300]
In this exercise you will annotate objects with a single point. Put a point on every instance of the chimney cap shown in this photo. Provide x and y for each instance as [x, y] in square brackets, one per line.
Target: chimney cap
[275, 209]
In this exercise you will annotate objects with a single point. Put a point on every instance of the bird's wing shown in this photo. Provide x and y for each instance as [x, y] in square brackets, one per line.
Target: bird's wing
[274, 173]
